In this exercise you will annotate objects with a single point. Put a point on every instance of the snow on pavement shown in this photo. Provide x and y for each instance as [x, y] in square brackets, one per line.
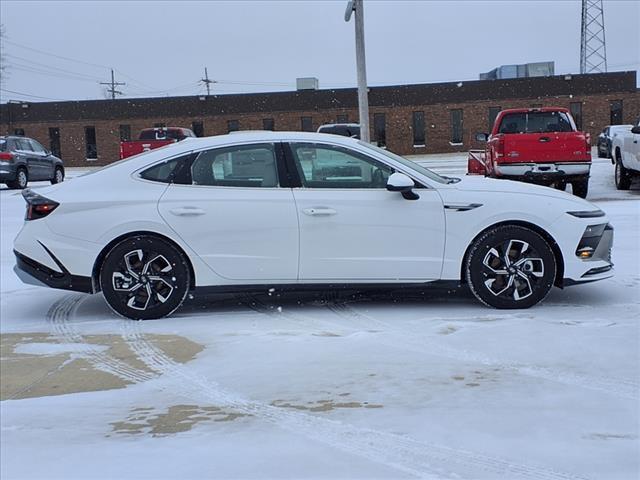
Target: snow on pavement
[329, 385]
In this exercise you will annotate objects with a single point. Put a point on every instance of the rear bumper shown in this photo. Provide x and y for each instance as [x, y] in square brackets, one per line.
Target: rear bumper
[7, 172]
[32, 272]
[540, 172]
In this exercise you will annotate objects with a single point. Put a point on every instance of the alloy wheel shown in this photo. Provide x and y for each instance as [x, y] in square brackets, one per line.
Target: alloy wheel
[512, 270]
[144, 279]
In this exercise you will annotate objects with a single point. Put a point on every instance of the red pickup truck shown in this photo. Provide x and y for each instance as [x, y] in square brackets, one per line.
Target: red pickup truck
[537, 145]
[151, 138]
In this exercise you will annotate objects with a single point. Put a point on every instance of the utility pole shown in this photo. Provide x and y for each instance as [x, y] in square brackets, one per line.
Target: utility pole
[361, 64]
[593, 48]
[113, 85]
[207, 81]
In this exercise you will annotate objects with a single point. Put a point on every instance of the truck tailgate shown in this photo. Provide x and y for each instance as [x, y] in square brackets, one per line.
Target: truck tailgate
[134, 147]
[546, 148]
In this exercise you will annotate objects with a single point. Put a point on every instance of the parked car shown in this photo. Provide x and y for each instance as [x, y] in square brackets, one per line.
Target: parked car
[536, 145]
[345, 129]
[259, 210]
[604, 139]
[24, 160]
[626, 153]
[151, 138]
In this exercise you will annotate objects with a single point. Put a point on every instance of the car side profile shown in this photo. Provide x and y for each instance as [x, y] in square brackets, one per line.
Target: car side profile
[603, 143]
[256, 210]
[23, 159]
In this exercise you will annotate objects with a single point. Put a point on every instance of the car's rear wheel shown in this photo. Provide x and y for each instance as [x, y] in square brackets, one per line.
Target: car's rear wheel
[144, 277]
[580, 188]
[58, 176]
[21, 181]
[510, 267]
[621, 175]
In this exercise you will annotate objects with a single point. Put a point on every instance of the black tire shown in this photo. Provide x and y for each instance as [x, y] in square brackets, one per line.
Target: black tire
[529, 274]
[580, 188]
[560, 185]
[21, 181]
[600, 154]
[128, 287]
[58, 176]
[621, 175]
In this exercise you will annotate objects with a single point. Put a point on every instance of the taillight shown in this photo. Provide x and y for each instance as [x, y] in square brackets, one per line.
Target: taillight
[37, 205]
[6, 156]
[500, 146]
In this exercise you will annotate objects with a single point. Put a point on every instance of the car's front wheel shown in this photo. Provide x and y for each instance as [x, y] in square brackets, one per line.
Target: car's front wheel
[144, 277]
[510, 266]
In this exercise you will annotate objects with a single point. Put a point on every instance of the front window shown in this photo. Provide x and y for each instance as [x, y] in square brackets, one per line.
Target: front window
[407, 163]
[328, 166]
[240, 166]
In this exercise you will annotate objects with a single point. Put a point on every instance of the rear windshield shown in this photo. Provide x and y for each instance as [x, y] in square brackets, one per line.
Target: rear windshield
[536, 122]
[162, 134]
[3, 145]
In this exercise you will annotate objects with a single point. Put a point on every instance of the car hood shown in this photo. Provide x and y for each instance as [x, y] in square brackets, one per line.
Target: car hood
[475, 183]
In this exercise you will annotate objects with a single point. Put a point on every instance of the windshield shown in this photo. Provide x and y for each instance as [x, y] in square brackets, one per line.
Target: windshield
[408, 163]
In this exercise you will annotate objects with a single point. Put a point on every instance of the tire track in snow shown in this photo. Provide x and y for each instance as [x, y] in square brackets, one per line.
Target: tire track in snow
[58, 318]
[423, 460]
[621, 388]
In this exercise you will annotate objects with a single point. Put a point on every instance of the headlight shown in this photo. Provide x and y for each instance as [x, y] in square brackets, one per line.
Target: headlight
[587, 214]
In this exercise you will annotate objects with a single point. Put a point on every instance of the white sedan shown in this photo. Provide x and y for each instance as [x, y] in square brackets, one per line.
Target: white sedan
[258, 210]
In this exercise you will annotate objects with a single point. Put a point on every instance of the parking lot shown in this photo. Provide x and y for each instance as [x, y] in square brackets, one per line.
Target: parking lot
[425, 384]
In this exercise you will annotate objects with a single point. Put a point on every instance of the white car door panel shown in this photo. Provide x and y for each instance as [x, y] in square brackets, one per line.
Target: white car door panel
[353, 229]
[244, 233]
[369, 234]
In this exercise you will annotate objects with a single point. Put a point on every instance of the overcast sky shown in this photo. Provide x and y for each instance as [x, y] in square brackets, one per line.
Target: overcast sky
[161, 48]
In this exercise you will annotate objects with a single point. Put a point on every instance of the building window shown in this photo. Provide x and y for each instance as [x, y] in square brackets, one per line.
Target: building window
[493, 113]
[456, 126]
[306, 124]
[343, 118]
[54, 141]
[125, 133]
[159, 125]
[268, 124]
[19, 132]
[616, 112]
[91, 146]
[233, 125]
[380, 129]
[418, 129]
[576, 113]
[198, 128]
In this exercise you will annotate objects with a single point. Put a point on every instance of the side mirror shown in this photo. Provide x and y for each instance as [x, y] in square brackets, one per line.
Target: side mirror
[482, 137]
[399, 182]
[636, 129]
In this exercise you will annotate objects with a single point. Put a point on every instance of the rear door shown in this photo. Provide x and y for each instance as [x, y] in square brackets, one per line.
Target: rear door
[233, 213]
[25, 151]
[42, 159]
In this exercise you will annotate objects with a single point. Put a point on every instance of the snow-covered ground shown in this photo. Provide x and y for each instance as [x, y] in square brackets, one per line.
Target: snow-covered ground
[430, 385]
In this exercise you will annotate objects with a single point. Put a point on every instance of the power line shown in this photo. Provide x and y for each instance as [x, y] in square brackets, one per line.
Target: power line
[206, 81]
[63, 70]
[30, 95]
[113, 84]
[54, 55]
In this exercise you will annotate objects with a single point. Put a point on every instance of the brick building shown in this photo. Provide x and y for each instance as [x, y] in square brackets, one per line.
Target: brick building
[408, 119]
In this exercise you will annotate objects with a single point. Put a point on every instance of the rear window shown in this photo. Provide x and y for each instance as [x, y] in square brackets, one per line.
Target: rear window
[344, 130]
[167, 171]
[3, 145]
[162, 134]
[536, 122]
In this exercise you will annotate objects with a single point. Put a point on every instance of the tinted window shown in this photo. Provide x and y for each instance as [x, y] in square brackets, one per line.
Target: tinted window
[245, 166]
[456, 126]
[91, 147]
[23, 144]
[125, 133]
[3, 145]
[327, 166]
[576, 113]
[535, 122]
[342, 118]
[380, 129]
[36, 147]
[54, 141]
[616, 112]
[418, 129]
[493, 113]
[268, 124]
[163, 172]
[306, 124]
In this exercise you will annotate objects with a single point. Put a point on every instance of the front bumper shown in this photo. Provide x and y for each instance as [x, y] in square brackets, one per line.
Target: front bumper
[599, 266]
[32, 272]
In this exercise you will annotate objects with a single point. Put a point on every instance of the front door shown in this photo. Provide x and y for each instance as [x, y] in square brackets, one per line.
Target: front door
[353, 229]
[235, 216]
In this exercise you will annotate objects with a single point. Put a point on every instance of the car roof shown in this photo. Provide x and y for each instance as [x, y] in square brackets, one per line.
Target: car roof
[532, 109]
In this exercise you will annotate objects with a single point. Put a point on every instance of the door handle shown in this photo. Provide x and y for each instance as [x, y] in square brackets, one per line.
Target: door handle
[544, 139]
[318, 211]
[187, 211]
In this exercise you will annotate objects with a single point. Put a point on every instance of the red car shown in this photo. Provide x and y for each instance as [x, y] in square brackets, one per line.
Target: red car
[537, 145]
[151, 138]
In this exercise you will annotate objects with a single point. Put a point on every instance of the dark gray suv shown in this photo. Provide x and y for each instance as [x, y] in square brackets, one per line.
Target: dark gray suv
[23, 160]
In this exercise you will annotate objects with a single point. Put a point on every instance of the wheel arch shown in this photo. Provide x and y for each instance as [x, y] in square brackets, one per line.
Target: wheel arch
[557, 253]
[97, 266]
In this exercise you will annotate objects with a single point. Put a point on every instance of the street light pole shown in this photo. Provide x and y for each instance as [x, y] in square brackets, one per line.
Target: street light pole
[361, 64]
